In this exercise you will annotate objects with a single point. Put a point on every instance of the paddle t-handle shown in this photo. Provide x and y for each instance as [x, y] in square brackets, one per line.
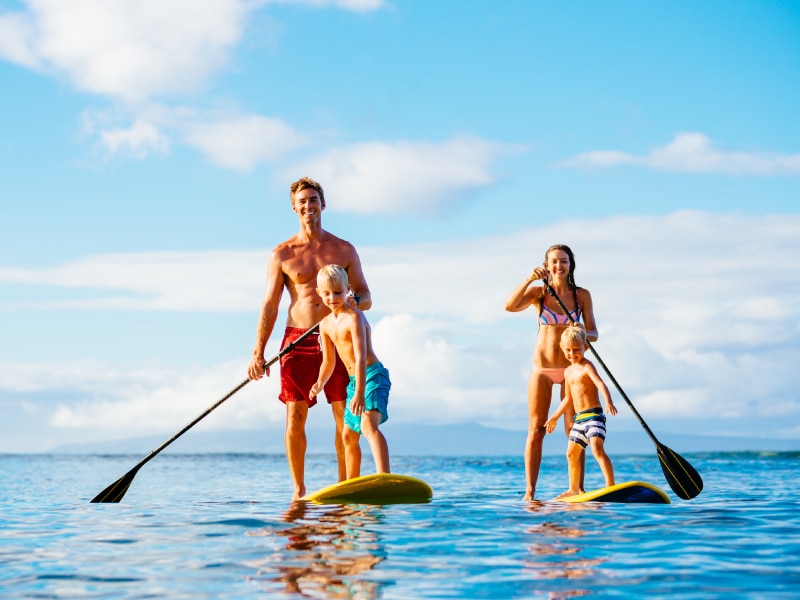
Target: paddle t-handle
[115, 491]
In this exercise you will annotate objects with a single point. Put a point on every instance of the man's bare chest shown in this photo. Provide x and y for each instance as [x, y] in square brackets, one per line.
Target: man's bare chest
[303, 267]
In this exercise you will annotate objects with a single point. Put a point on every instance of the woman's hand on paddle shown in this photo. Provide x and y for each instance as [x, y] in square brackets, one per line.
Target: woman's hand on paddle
[538, 273]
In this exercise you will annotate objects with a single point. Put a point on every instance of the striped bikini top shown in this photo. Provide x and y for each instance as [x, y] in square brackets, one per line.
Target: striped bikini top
[548, 317]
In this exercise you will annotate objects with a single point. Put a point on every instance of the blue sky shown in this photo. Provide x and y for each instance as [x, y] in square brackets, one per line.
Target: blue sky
[146, 150]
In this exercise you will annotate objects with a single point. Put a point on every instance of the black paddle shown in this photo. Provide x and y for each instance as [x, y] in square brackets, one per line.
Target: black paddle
[682, 477]
[116, 490]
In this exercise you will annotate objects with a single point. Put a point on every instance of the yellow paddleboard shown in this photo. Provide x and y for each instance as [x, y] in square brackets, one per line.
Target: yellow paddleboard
[381, 488]
[631, 491]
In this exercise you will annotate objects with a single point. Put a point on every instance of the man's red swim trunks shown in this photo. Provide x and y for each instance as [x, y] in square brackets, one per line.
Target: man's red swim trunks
[300, 369]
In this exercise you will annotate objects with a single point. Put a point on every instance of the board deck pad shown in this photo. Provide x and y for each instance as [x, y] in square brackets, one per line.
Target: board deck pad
[380, 488]
[635, 492]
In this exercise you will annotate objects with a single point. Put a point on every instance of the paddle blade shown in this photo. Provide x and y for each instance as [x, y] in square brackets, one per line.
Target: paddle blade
[116, 490]
[682, 477]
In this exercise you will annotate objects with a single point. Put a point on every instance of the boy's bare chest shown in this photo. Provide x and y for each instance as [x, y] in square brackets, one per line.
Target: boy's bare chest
[340, 333]
[578, 378]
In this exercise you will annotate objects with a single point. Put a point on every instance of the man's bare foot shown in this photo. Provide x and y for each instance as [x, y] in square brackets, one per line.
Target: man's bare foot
[567, 494]
[299, 492]
[528, 496]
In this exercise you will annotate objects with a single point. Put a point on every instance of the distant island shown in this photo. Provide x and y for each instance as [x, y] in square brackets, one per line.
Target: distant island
[467, 439]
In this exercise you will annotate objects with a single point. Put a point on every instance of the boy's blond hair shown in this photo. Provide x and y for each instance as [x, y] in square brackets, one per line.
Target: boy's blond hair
[333, 274]
[574, 333]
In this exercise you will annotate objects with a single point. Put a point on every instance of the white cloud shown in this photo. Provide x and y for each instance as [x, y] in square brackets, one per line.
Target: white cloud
[139, 51]
[225, 280]
[697, 314]
[228, 139]
[134, 50]
[142, 399]
[240, 143]
[439, 379]
[138, 140]
[403, 177]
[156, 396]
[126, 50]
[17, 40]
[694, 153]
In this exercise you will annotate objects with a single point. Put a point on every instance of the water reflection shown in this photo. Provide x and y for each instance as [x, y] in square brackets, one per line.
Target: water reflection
[322, 552]
[556, 548]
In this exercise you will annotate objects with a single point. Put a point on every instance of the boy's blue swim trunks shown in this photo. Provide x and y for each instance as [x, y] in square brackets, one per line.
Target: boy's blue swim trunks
[376, 395]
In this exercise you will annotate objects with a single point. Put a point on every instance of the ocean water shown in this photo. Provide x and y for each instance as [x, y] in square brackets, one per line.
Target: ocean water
[216, 525]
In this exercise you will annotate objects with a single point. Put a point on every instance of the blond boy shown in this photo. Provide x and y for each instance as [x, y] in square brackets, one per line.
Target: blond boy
[582, 386]
[346, 331]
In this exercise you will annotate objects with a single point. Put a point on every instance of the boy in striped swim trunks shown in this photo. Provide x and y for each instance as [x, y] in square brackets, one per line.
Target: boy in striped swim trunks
[582, 389]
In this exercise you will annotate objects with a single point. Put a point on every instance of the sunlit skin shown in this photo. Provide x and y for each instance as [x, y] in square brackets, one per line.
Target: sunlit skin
[346, 331]
[582, 389]
[547, 353]
[293, 267]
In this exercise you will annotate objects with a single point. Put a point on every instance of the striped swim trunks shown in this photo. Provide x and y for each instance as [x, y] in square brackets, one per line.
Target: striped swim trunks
[588, 424]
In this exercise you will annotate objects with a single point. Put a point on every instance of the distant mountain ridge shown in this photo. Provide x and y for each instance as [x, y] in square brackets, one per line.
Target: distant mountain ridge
[467, 439]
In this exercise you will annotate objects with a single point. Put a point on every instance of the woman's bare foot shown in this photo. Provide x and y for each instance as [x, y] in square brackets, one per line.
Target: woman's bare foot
[566, 494]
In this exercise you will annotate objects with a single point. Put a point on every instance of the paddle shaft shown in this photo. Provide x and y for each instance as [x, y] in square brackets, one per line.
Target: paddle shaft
[116, 491]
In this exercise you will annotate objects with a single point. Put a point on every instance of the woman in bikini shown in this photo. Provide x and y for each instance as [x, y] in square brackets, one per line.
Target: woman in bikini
[549, 361]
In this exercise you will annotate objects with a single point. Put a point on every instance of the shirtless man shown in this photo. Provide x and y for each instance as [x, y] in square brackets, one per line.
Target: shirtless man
[293, 265]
